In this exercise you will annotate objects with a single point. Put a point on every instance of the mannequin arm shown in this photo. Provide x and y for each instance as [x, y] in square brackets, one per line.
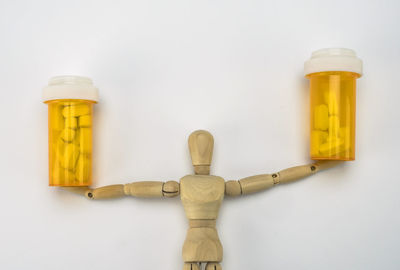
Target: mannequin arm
[145, 189]
[264, 181]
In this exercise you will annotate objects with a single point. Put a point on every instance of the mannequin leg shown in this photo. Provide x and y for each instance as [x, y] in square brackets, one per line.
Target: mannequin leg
[213, 266]
[191, 266]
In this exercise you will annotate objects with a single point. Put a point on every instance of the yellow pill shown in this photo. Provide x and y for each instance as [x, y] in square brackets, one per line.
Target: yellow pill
[56, 120]
[67, 134]
[76, 110]
[71, 122]
[332, 101]
[332, 147]
[61, 176]
[334, 125]
[76, 140]
[321, 117]
[69, 157]
[331, 95]
[85, 140]
[317, 138]
[59, 147]
[85, 121]
[344, 133]
[83, 169]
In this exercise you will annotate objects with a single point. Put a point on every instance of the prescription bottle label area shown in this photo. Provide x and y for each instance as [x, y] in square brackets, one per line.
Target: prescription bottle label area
[333, 104]
[70, 142]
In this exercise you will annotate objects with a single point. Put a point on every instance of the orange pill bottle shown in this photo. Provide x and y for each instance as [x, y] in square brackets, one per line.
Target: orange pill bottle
[70, 101]
[333, 74]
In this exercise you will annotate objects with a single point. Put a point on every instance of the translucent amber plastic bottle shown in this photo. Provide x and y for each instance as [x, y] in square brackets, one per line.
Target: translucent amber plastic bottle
[70, 102]
[332, 74]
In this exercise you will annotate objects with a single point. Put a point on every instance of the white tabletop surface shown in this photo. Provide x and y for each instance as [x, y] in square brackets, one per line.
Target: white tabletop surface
[167, 68]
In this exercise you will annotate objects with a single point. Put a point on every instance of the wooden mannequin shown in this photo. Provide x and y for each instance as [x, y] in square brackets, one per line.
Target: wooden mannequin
[201, 195]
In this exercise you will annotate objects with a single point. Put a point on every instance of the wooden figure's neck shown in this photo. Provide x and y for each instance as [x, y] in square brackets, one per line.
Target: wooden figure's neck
[202, 223]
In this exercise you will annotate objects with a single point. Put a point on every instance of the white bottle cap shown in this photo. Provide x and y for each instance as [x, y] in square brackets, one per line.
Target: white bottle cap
[333, 59]
[70, 87]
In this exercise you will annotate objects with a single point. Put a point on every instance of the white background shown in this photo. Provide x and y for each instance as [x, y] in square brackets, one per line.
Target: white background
[167, 68]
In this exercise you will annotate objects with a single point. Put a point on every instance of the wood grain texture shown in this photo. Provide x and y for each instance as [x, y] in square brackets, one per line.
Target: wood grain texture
[201, 145]
[191, 266]
[295, 173]
[261, 182]
[145, 189]
[170, 189]
[202, 245]
[233, 188]
[202, 195]
[201, 169]
[213, 266]
[107, 192]
[201, 223]
[256, 183]
[299, 172]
